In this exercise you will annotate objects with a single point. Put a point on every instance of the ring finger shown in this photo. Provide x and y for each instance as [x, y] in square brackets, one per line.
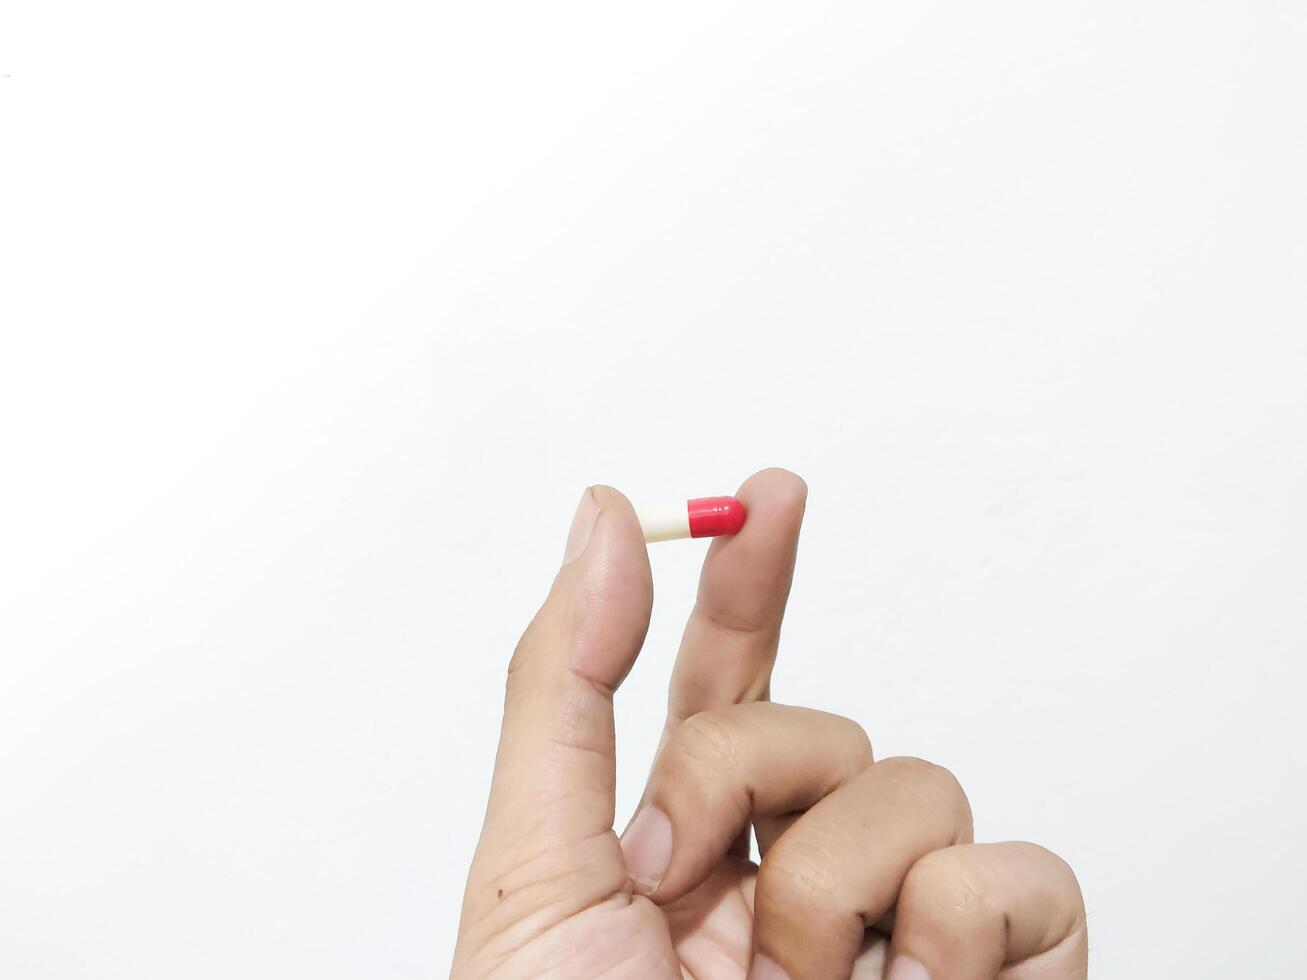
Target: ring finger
[896, 840]
[838, 869]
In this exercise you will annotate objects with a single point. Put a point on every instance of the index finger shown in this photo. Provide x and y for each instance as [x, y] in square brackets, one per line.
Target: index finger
[729, 645]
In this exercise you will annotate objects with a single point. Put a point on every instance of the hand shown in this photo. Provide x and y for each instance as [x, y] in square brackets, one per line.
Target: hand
[853, 851]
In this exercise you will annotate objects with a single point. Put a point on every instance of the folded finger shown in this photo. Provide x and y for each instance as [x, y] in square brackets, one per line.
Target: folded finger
[839, 868]
[721, 769]
[980, 911]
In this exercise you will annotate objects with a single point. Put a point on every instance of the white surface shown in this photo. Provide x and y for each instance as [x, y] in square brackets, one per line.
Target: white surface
[317, 318]
[664, 522]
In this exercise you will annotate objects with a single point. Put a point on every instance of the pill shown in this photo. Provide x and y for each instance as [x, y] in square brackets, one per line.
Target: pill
[703, 517]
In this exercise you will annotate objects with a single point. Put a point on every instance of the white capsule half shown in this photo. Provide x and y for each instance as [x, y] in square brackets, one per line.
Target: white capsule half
[664, 522]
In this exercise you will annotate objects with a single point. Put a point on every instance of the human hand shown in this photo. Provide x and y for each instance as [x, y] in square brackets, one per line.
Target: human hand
[853, 852]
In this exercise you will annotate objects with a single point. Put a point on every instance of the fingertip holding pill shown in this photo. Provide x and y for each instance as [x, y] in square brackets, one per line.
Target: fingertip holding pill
[702, 517]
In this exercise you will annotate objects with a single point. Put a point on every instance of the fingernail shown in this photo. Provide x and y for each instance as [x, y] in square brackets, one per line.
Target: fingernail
[765, 968]
[587, 512]
[906, 968]
[647, 848]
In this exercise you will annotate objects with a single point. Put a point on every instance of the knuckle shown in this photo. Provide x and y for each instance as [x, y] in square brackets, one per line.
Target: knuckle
[705, 739]
[1056, 869]
[519, 659]
[948, 883]
[846, 739]
[539, 634]
[850, 751]
[800, 872]
[913, 769]
[932, 783]
[517, 678]
[859, 740]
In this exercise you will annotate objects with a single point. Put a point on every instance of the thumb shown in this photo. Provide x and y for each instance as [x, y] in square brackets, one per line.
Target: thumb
[552, 796]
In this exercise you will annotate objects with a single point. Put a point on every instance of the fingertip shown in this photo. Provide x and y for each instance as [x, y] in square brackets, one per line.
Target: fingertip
[614, 502]
[776, 500]
[779, 486]
[625, 550]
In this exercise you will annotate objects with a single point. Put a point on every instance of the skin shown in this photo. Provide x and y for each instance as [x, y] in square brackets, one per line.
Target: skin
[867, 870]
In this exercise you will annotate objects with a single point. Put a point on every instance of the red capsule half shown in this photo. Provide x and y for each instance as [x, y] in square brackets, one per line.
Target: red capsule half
[711, 516]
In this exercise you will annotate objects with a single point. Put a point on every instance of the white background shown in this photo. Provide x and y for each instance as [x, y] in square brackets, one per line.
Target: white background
[317, 318]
